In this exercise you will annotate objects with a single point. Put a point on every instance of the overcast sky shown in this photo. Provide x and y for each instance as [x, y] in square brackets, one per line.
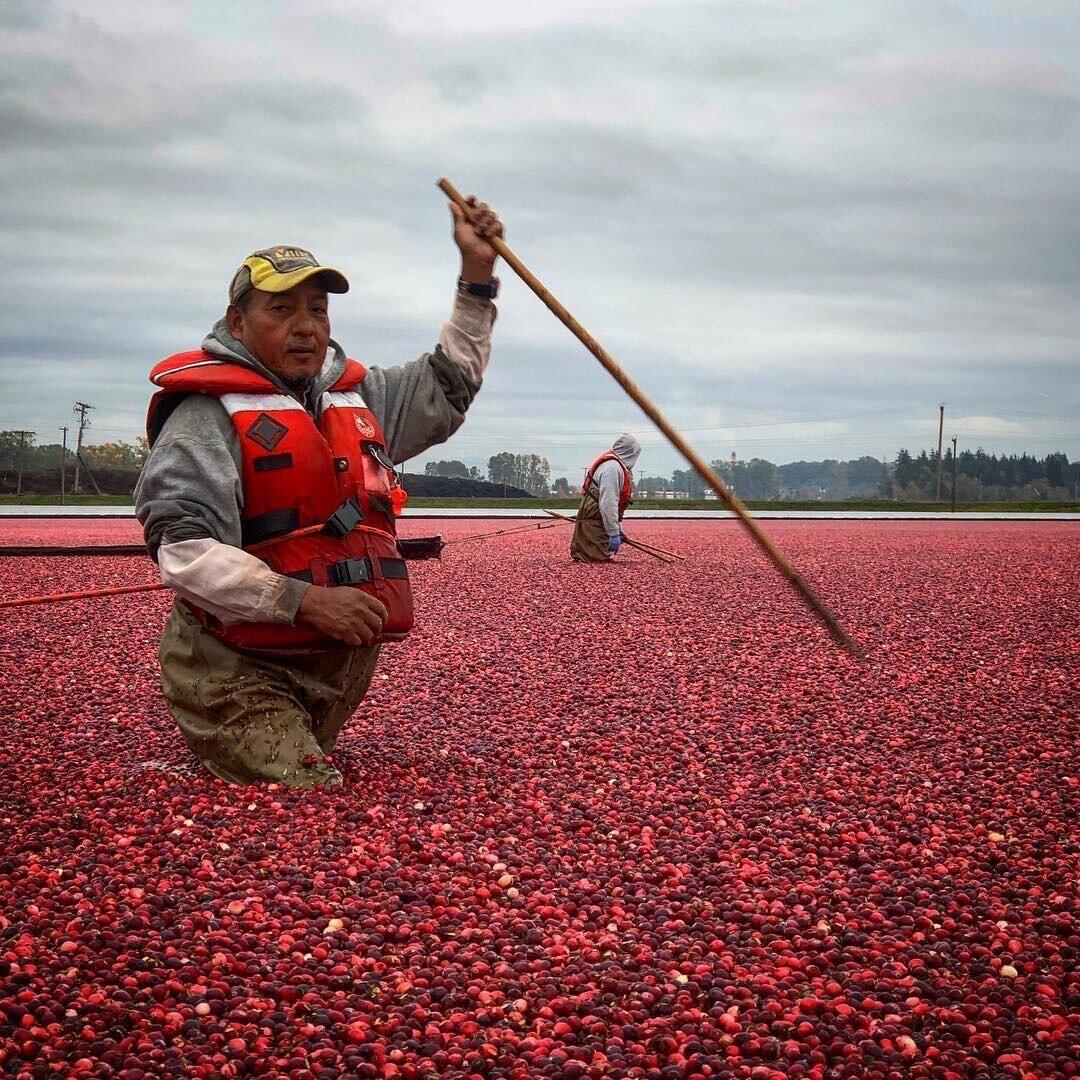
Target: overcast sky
[799, 225]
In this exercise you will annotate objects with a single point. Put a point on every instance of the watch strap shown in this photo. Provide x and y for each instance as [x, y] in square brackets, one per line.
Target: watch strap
[488, 289]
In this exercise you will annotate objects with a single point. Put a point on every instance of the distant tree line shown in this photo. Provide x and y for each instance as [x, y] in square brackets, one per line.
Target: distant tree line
[113, 465]
[983, 477]
[980, 477]
[528, 471]
[452, 468]
[761, 479]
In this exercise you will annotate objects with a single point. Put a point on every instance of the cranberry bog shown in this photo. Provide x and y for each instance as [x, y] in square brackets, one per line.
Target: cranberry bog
[637, 820]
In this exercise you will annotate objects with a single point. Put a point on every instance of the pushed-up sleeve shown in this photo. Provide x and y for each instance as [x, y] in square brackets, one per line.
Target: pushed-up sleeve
[422, 403]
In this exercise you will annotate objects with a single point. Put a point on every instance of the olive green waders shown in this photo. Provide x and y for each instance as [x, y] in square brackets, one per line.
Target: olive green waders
[590, 540]
[252, 718]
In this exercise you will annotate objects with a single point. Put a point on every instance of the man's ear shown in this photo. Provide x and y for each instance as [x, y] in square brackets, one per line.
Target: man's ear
[234, 319]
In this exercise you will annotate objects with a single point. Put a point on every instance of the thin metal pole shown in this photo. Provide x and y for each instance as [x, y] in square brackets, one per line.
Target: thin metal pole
[63, 464]
[954, 474]
[22, 451]
[707, 473]
[940, 429]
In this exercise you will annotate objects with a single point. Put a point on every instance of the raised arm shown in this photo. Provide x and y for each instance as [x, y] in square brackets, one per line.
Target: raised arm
[423, 403]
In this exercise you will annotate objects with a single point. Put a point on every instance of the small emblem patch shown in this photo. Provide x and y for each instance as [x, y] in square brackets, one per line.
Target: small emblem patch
[364, 426]
[266, 431]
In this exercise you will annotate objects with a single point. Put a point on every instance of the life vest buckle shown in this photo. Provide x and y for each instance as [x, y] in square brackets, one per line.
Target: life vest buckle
[351, 572]
[344, 519]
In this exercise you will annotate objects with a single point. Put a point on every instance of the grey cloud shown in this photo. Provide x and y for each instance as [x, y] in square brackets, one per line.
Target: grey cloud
[775, 216]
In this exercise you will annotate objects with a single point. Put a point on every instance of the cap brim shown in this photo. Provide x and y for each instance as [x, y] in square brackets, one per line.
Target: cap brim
[334, 279]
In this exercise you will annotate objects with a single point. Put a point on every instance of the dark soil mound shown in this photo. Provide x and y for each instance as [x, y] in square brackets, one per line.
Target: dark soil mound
[457, 487]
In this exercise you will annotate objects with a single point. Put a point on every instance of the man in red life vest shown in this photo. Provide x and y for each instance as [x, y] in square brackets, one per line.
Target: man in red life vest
[269, 498]
[605, 494]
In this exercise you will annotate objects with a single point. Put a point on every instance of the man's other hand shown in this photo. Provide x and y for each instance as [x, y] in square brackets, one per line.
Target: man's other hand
[477, 255]
[347, 614]
[614, 543]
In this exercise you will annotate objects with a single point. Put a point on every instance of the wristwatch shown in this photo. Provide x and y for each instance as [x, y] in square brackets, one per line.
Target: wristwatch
[488, 289]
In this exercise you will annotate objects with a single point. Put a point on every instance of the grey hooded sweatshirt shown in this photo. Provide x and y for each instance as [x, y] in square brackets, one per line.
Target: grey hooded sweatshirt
[608, 478]
[189, 497]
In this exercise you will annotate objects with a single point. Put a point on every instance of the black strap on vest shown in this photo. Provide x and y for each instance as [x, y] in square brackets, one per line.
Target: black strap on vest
[394, 568]
[344, 519]
[266, 526]
[350, 572]
[356, 572]
[273, 462]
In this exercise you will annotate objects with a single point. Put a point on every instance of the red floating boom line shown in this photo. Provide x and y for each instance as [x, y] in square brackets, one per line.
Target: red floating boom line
[89, 594]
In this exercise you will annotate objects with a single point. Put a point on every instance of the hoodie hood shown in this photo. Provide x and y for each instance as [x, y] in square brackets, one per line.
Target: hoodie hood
[220, 342]
[627, 449]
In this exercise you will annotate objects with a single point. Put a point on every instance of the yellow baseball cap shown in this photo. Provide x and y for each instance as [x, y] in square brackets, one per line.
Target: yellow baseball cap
[278, 269]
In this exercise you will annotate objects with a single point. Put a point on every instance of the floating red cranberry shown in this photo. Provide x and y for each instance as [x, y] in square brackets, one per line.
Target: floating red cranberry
[634, 820]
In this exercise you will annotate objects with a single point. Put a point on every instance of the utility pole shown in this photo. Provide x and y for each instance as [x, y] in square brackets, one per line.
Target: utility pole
[81, 409]
[22, 447]
[954, 474]
[940, 429]
[63, 464]
[90, 473]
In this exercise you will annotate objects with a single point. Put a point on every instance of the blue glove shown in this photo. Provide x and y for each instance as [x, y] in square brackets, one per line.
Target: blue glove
[614, 543]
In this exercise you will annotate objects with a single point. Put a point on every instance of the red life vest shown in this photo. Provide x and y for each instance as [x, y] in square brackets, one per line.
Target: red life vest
[320, 495]
[626, 494]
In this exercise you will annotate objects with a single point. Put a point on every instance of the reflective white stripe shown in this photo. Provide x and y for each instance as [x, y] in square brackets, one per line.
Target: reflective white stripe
[235, 403]
[187, 367]
[342, 399]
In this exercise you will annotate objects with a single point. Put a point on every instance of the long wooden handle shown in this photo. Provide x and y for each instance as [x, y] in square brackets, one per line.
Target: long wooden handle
[656, 553]
[639, 546]
[506, 532]
[653, 547]
[697, 462]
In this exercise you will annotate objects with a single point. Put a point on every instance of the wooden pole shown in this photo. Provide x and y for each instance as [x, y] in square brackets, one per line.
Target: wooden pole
[663, 551]
[656, 553]
[699, 464]
[506, 532]
[633, 543]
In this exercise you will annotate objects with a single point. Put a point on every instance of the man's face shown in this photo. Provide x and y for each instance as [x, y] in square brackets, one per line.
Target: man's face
[288, 332]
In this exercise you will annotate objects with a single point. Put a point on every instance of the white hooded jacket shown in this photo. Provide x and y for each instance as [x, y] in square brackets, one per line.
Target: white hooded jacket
[608, 479]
